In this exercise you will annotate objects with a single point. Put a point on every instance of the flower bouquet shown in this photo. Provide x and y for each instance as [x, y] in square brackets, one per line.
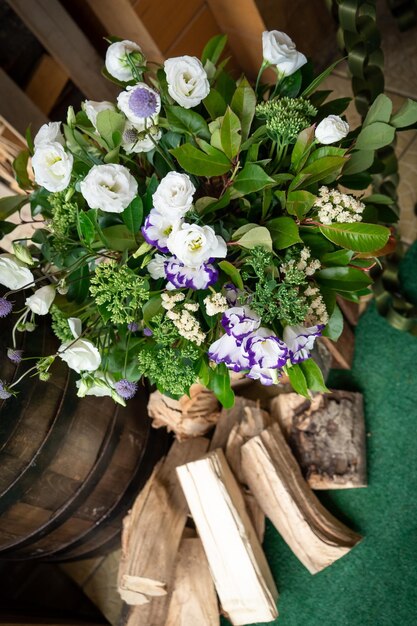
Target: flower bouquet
[197, 226]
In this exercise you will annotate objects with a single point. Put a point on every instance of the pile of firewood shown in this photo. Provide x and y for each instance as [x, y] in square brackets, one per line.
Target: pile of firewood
[193, 538]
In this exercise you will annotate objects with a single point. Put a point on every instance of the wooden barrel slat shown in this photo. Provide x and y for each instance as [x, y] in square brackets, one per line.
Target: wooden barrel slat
[72, 467]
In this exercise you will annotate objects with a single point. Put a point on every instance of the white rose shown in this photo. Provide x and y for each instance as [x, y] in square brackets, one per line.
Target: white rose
[187, 81]
[110, 188]
[139, 138]
[49, 133]
[117, 63]
[331, 129]
[52, 166]
[101, 385]
[279, 49]
[41, 300]
[80, 355]
[139, 103]
[194, 245]
[13, 273]
[92, 109]
[174, 195]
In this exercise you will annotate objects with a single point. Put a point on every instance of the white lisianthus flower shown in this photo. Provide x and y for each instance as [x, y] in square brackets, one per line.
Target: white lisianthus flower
[117, 63]
[331, 129]
[92, 109]
[187, 80]
[140, 137]
[80, 355]
[174, 195]
[139, 103]
[109, 187]
[48, 133]
[193, 245]
[279, 49]
[41, 300]
[13, 273]
[52, 166]
[156, 267]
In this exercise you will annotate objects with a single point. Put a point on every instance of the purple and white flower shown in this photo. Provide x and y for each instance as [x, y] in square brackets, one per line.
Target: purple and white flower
[174, 194]
[139, 102]
[14, 355]
[266, 350]
[264, 375]
[239, 322]
[4, 391]
[227, 350]
[156, 267]
[181, 276]
[126, 389]
[300, 341]
[158, 227]
[5, 307]
[194, 245]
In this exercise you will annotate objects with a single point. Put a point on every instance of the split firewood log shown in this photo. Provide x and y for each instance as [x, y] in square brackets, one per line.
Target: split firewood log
[237, 563]
[274, 477]
[153, 529]
[327, 436]
[190, 416]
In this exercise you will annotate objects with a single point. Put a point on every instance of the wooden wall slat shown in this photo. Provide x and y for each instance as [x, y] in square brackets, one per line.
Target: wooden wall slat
[63, 39]
[195, 36]
[46, 83]
[17, 109]
[126, 23]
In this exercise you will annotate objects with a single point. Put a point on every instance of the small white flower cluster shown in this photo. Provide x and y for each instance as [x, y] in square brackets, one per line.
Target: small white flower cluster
[335, 206]
[186, 324]
[317, 313]
[215, 303]
[306, 264]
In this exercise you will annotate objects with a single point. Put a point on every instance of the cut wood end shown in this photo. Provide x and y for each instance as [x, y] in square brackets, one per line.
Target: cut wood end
[147, 586]
[133, 598]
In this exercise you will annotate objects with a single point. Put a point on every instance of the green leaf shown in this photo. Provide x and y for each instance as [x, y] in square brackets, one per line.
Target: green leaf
[78, 285]
[151, 308]
[6, 227]
[333, 107]
[313, 376]
[230, 134]
[220, 385]
[232, 272]
[195, 161]
[215, 104]
[133, 215]
[406, 116]
[207, 205]
[299, 203]
[186, 121]
[290, 85]
[244, 229]
[213, 49]
[259, 236]
[11, 204]
[298, 380]
[86, 227]
[252, 178]
[343, 278]
[379, 111]
[375, 136]
[108, 123]
[20, 165]
[378, 198]
[335, 324]
[340, 257]
[302, 147]
[358, 236]
[119, 238]
[324, 151]
[322, 168]
[359, 161]
[319, 79]
[243, 104]
[284, 232]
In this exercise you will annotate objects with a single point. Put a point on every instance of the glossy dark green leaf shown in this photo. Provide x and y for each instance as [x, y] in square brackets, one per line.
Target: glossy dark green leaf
[252, 178]
[187, 121]
[358, 236]
[343, 278]
[133, 215]
[215, 104]
[313, 376]
[11, 204]
[284, 232]
[359, 161]
[298, 380]
[232, 272]
[302, 147]
[220, 385]
[339, 257]
[243, 104]
[6, 227]
[195, 161]
[213, 49]
[230, 136]
[20, 169]
[119, 238]
[299, 203]
[334, 327]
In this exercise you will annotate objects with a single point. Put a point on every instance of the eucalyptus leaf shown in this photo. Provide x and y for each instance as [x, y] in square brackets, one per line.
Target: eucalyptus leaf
[12, 204]
[357, 236]
[406, 115]
[379, 111]
[359, 161]
[284, 232]
[376, 135]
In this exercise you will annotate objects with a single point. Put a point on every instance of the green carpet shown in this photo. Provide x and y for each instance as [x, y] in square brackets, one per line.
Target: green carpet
[376, 583]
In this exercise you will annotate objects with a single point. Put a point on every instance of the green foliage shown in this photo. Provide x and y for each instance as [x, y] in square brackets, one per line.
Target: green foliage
[284, 232]
[59, 324]
[64, 218]
[358, 237]
[171, 369]
[251, 178]
[286, 117]
[207, 162]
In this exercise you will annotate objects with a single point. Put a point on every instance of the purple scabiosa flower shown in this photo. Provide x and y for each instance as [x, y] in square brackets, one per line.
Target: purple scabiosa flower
[227, 350]
[15, 356]
[181, 276]
[5, 307]
[240, 321]
[139, 102]
[157, 228]
[126, 389]
[300, 341]
[133, 327]
[4, 392]
[147, 332]
[266, 350]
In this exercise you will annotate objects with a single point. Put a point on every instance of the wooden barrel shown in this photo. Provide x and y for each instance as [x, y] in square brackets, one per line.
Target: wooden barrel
[70, 468]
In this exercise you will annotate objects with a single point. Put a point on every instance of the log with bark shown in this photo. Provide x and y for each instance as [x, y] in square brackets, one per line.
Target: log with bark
[274, 477]
[238, 565]
[327, 437]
